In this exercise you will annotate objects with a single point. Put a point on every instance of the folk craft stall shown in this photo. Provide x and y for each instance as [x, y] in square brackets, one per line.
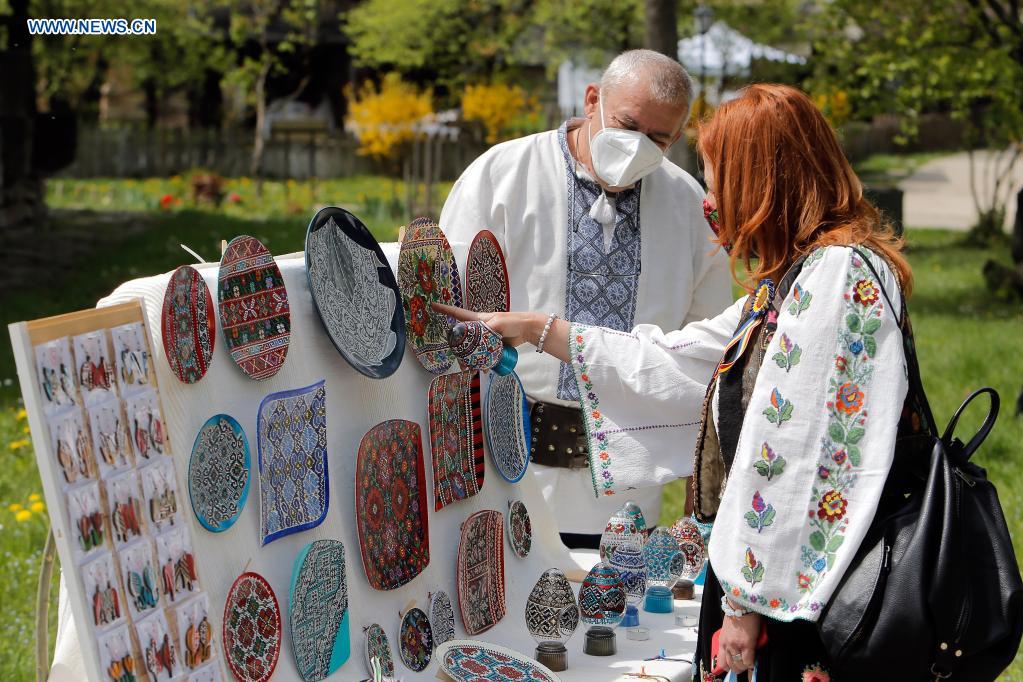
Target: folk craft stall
[342, 406]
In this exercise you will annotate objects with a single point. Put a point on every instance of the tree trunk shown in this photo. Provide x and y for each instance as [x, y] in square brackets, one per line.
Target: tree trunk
[662, 27]
[21, 189]
[256, 168]
[1017, 231]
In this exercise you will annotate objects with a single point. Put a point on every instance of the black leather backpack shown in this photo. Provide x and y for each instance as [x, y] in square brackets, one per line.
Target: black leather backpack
[934, 592]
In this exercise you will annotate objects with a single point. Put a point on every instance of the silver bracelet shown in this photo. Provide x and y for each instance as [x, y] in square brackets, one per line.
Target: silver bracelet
[729, 611]
[546, 331]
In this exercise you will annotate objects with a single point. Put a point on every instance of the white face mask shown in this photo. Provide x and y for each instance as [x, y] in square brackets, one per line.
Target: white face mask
[622, 157]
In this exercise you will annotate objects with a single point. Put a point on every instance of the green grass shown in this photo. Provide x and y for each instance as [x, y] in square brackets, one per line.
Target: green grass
[966, 340]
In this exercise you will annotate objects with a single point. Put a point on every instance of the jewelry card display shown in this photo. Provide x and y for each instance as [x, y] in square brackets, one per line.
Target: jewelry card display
[70, 441]
[95, 367]
[195, 632]
[111, 446]
[145, 421]
[160, 492]
[117, 657]
[178, 577]
[90, 387]
[131, 353]
[138, 568]
[159, 650]
[125, 499]
[56, 371]
[87, 520]
[103, 587]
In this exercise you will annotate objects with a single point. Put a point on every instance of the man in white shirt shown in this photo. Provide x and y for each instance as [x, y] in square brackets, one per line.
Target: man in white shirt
[598, 228]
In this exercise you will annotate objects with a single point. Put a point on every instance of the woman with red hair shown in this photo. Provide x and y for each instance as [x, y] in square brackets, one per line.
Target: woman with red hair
[794, 394]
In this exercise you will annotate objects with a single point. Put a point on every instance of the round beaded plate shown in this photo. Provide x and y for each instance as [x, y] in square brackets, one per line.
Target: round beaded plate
[442, 617]
[252, 628]
[218, 473]
[188, 325]
[520, 530]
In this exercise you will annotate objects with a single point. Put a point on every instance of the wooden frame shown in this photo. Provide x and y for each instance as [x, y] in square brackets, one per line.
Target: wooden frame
[24, 337]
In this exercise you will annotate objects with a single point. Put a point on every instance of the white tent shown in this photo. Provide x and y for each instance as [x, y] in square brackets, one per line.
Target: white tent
[722, 51]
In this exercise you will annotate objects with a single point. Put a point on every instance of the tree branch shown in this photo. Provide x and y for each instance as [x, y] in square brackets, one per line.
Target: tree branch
[985, 22]
[1010, 22]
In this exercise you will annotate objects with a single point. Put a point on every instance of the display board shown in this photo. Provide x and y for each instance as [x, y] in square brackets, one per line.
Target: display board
[355, 404]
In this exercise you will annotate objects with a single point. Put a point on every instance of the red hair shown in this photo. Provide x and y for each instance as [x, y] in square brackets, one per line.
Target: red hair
[784, 187]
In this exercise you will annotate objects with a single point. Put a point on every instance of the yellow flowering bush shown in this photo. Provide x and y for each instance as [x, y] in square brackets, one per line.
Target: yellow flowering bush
[384, 118]
[834, 105]
[494, 106]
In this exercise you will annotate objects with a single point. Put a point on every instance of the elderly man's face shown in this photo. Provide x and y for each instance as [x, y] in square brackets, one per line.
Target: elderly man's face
[631, 106]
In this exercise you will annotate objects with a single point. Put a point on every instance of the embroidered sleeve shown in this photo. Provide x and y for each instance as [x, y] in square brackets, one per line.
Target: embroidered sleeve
[641, 394]
[817, 440]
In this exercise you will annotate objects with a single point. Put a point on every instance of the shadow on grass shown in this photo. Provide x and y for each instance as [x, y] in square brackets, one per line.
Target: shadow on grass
[97, 255]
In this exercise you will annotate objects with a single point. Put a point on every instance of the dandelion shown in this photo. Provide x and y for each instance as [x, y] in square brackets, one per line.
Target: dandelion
[16, 445]
[34, 497]
[14, 507]
[20, 414]
[38, 507]
[22, 516]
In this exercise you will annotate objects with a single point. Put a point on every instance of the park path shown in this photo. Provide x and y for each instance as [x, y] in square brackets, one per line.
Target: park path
[937, 194]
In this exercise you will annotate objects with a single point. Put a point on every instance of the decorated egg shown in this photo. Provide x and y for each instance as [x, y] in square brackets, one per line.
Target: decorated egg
[602, 596]
[621, 527]
[628, 559]
[660, 551]
[551, 612]
[692, 545]
[633, 510]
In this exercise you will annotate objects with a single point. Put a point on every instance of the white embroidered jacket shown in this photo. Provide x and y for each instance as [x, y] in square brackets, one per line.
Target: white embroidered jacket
[816, 443]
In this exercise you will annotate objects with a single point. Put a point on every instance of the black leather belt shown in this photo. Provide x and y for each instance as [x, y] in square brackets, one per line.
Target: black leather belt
[559, 436]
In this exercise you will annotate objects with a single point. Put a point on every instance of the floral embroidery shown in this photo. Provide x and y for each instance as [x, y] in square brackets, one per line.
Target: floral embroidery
[779, 605]
[762, 514]
[780, 409]
[788, 355]
[592, 418]
[763, 296]
[865, 292]
[800, 300]
[840, 456]
[753, 571]
[832, 506]
[770, 463]
[815, 673]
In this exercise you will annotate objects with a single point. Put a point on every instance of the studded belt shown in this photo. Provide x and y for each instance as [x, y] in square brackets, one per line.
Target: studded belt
[559, 437]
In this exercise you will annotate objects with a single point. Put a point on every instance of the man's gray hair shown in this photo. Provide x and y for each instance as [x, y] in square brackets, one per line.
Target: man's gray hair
[669, 83]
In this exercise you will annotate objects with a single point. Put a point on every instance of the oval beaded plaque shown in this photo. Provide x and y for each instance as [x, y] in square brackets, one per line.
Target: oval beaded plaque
[520, 529]
[442, 617]
[254, 310]
[416, 635]
[466, 660]
[378, 647]
[188, 325]
[507, 424]
[486, 276]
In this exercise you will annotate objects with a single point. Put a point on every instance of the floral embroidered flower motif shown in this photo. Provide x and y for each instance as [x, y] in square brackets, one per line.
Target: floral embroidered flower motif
[832, 506]
[417, 315]
[780, 409]
[762, 514]
[800, 300]
[753, 571]
[865, 292]
[770, 463]
[788, 354]
[424, 273]
[593, 420]
[815, 673]
[714, 220]
[849, 398]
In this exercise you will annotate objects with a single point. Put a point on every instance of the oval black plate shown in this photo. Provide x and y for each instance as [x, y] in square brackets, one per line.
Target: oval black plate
[352, 286]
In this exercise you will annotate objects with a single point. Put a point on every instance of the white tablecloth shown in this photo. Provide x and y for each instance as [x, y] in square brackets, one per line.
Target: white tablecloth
[354, 405]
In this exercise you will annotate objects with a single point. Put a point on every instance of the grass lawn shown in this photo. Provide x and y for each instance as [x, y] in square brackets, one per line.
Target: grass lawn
[966, 340]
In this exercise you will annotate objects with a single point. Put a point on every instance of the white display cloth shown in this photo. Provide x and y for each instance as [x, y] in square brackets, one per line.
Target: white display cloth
[354, 405]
